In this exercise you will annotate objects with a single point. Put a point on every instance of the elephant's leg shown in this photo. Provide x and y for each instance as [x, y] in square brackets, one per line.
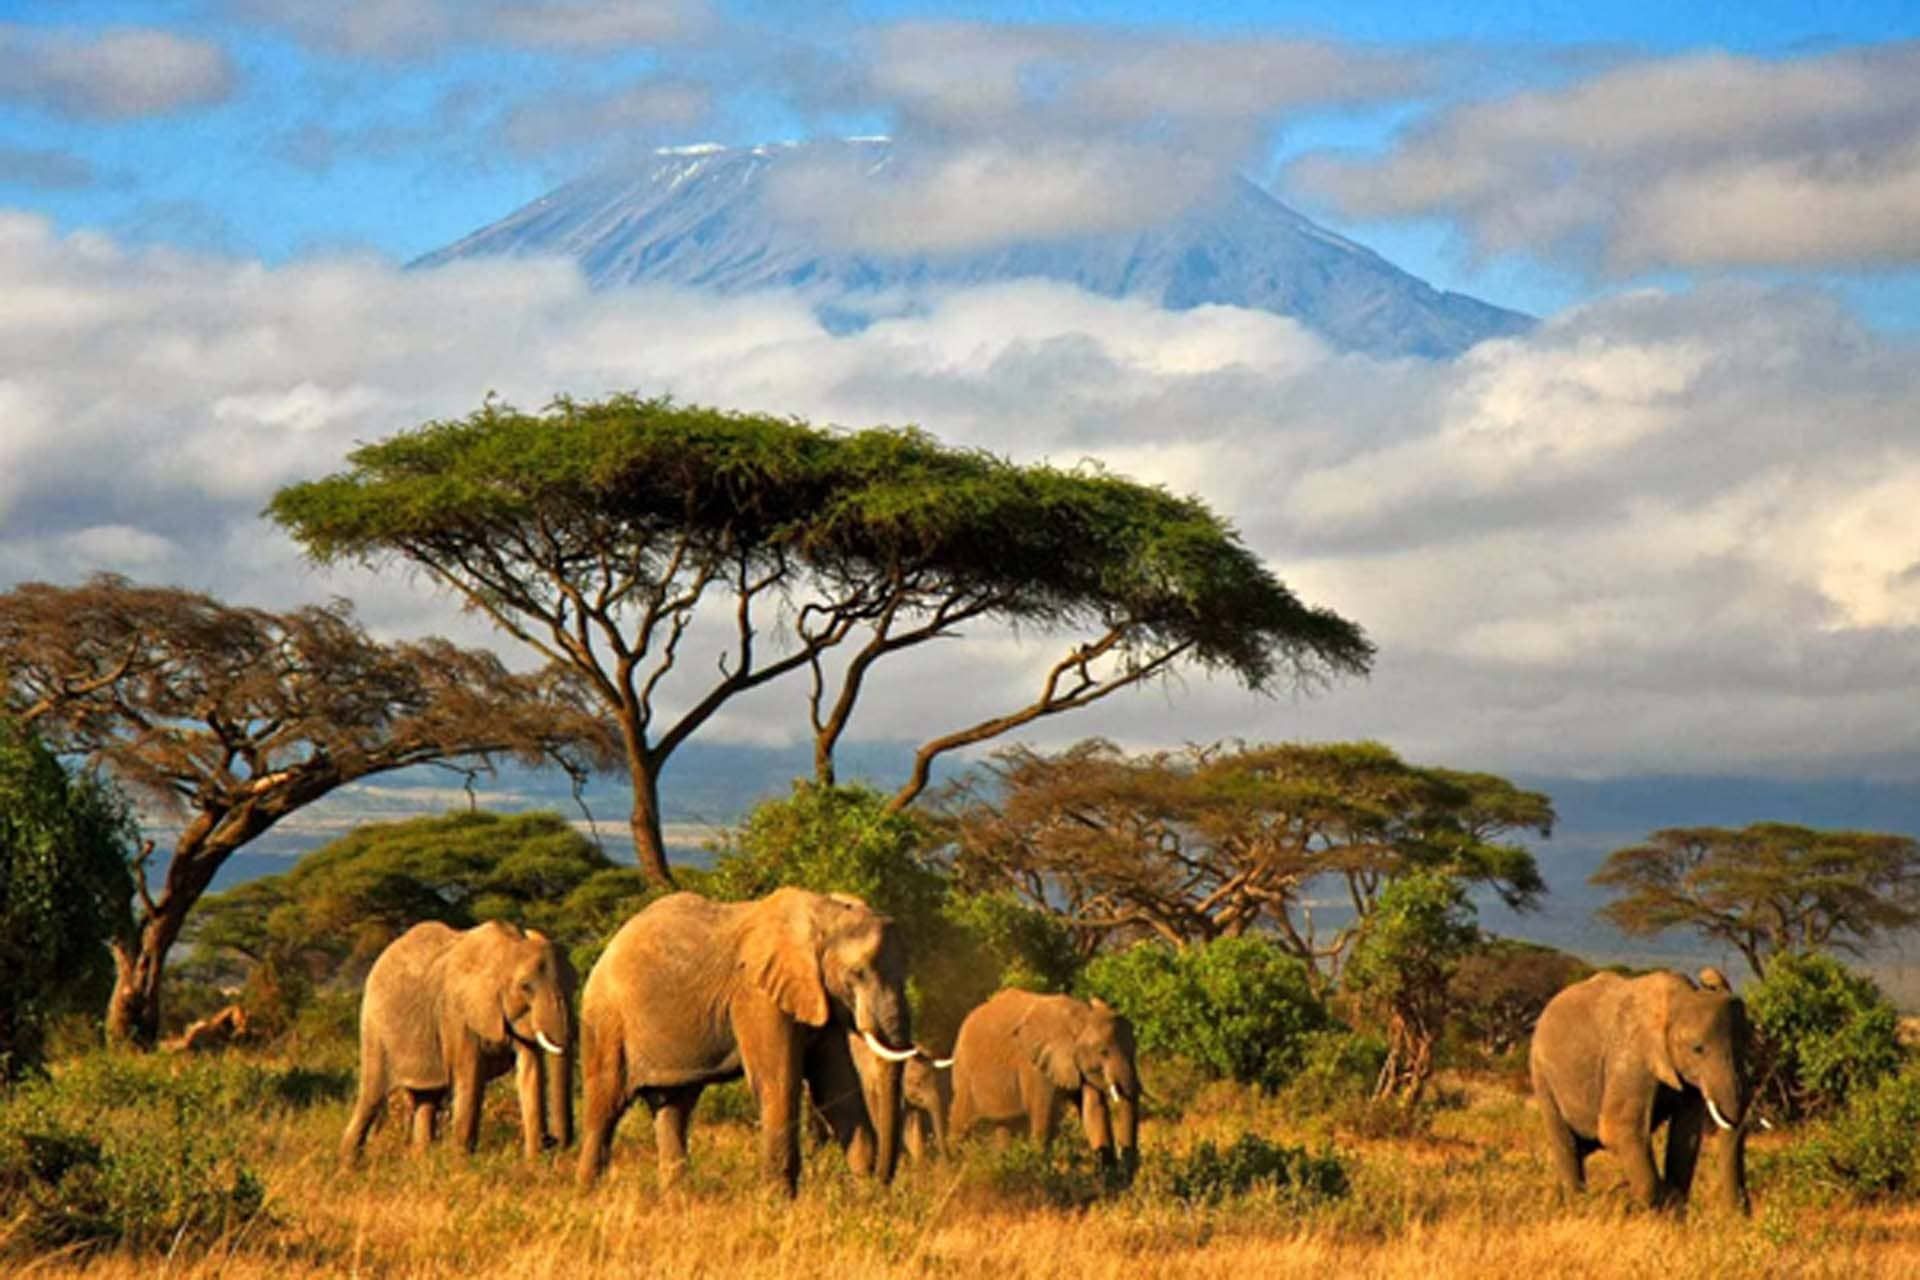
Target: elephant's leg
[1631, 1143]
[672, 1109]
[603, 1096]
[529, 1078]
[772, 1053]
[1569, 1163]
[1726, 1158]
[466, 1097]
[367, 1110]
[423, 1108]
[840, 1096]
[960, 1115]
[1043, 1111]
[1099, 1126]
[1683, 1151]
[913, 1134]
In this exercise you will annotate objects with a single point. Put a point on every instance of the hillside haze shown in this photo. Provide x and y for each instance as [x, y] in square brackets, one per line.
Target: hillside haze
[708, 218]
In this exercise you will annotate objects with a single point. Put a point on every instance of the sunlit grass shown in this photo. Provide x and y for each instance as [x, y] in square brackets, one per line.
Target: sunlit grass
[1469, 1195]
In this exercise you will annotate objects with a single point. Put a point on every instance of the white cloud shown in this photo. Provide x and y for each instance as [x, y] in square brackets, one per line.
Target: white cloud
[121, 73]
[419, 28]
[1664, 532]
[1010, 132]
[1699, 160]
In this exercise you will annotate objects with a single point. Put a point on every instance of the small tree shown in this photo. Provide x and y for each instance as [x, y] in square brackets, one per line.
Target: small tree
[340, 906]
[1221, 841]
[65, 845]
[1768, 888]
[596, 532]
[1401, 971]
[232, 718]
[1500, 987]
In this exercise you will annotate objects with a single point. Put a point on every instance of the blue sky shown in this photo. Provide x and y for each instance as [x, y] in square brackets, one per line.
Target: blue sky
[1674, 529]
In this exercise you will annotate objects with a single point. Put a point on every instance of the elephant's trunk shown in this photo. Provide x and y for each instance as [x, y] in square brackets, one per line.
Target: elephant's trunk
[1126, 1132]
[559, 1099]
[886, 1119]
[884, 1026]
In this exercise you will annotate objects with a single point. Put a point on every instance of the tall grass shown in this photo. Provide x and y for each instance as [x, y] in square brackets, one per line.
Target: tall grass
[1467, 1193]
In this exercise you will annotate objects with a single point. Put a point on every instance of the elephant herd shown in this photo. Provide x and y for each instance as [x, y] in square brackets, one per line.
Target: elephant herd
[805, 995]
[802, 993]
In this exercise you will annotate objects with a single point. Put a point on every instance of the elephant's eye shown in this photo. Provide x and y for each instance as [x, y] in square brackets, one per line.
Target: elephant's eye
[1699, 1048]
[526, 988]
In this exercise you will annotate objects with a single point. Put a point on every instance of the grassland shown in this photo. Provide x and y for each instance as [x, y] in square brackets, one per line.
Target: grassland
[1468, 1194]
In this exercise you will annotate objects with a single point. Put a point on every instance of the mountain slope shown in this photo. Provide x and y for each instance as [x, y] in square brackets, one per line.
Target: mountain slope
[703, 217]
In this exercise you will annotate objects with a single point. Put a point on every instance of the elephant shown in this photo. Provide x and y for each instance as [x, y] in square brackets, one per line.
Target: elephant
[692, 992]
[446, 1011]
[1022, 1055]
[928, 1100]
[1614, 1058]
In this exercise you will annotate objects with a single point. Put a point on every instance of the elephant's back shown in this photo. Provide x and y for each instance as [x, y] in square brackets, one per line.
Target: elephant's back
[986, 1061]
[400, 1006]
[1567, 1054]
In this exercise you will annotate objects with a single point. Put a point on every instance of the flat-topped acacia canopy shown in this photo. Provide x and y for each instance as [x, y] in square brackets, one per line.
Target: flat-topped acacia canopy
[593, 530]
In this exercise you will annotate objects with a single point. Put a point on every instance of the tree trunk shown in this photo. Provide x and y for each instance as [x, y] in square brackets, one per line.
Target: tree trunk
[649, 843]
[139, 964]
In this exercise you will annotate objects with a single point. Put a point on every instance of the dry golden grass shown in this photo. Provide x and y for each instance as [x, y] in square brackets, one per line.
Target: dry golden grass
[1470, 1198]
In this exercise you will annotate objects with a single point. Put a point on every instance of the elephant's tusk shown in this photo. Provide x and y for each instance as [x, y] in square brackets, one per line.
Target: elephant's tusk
[1114, 1090]
[547, 1044]
[1717, 1117]
[940, 1064]
[890, 1055]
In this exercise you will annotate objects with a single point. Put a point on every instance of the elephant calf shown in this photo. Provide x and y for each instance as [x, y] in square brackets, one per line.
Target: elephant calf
[1022, 1056]
[1615, 1058]
[448, 1011]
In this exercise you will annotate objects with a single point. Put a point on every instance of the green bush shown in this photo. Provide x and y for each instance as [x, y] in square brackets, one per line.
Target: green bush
[1872, 1148]
[1824, 1033]
[1206, 1174]
[1066, 1176]
[155, 1180]
[1241, 1008]
[1337, 1067]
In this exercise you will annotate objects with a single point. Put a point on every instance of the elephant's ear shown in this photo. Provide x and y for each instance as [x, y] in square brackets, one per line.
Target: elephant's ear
[1050, 1045]
[781, 954]
[1662, 990]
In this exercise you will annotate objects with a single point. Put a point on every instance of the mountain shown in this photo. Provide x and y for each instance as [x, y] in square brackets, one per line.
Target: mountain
[703, 217]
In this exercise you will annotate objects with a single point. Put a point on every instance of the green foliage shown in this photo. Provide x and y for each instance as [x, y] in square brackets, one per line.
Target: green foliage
[834, 840]
[1066, 1176]
[65, 889]
[340, 905]
[126, 1152]
[1499, 988]
[1826, 1032]
[1338, 1068]
[1207, 1174]
[1401, 969]
[1872, 1147]
[1022, 945]
[1242, 1008]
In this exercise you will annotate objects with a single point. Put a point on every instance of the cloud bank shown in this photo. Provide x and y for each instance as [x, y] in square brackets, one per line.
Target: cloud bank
[120, 73]
[1705, 160]
[1665, 532]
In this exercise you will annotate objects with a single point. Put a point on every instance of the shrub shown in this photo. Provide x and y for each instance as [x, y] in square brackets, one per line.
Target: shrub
[1824, 1033]
[1872, 1148]
[1499, 988]
[1241, 1008]
[151, 1183]
[1207, 1174]
[1337, 1068]
[1067, 1176]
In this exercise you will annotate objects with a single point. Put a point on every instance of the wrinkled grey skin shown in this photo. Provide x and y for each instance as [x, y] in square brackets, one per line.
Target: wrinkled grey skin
[445, 1011]
[692, 992]
[1615, 1058]
[1022, 1056]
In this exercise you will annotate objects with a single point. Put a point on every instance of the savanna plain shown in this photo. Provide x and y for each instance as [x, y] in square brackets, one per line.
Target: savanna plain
[228, 1167]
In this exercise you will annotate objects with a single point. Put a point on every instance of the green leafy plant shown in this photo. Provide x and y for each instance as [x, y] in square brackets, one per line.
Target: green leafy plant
[1825, 1033]
[1208, 1174]
[1241, 1008]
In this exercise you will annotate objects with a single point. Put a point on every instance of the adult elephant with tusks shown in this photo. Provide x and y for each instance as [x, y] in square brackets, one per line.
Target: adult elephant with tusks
[1022, 1056]
[692, 992]
[1615, 1058]
[445, 1011]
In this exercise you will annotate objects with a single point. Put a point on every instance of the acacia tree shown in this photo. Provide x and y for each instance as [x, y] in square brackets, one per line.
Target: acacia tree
[1213, 842]
[232, 718]
[1768, 888]
[597, 532]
